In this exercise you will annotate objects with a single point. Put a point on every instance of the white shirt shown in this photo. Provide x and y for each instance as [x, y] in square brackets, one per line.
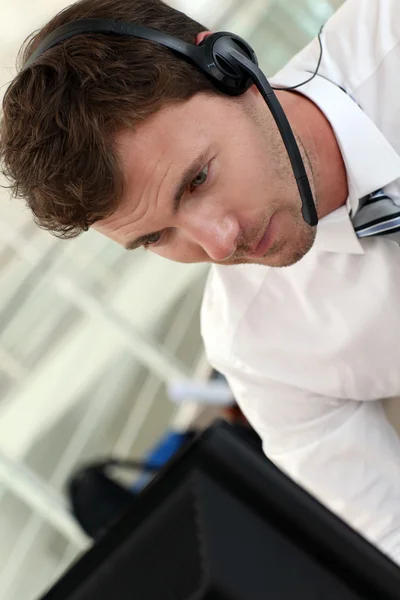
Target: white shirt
[310, 350]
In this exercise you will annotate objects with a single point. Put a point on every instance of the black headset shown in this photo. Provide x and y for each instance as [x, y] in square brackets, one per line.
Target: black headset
[225, 58]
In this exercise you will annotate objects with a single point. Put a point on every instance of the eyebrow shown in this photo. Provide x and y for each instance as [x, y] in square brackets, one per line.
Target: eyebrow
[188, 175]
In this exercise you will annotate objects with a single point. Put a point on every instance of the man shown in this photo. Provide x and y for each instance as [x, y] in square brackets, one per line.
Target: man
[120, 135]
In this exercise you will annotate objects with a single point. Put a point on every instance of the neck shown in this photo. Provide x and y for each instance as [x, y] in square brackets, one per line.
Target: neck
[320, 144]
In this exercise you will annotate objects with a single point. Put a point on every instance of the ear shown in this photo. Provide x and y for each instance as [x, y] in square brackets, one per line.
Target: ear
[201, 36]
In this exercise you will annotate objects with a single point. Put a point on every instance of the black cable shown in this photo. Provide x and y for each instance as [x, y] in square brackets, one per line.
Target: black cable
[293, 87]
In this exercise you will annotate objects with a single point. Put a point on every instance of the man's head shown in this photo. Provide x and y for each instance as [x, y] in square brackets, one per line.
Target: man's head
[102, 129]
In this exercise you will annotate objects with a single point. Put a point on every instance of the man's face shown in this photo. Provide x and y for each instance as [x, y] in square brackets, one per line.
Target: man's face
[238, 204]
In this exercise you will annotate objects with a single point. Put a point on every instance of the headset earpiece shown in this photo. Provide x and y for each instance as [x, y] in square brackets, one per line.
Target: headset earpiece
[227, 75]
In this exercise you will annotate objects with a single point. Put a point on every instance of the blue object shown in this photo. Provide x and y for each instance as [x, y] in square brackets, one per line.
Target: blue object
[160, 454]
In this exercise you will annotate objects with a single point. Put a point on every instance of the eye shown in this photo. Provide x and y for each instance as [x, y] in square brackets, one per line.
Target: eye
[200, 179]
[153, 239]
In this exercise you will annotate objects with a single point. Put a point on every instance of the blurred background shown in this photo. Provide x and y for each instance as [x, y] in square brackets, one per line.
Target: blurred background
[91, 334]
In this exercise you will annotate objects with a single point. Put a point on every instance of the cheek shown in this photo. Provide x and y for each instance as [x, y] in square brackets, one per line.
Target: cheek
[250, 154]
[245, 184]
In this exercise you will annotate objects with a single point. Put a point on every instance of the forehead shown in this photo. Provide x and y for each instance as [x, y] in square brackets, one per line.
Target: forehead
[171, 133]
[166, 137]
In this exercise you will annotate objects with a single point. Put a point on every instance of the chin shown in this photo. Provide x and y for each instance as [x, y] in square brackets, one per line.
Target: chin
[286, 254]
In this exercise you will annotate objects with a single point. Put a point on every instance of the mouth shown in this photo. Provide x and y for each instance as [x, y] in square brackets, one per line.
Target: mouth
[263, 244]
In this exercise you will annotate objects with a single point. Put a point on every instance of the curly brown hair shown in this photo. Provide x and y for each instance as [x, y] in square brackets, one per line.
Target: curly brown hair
[60, 115]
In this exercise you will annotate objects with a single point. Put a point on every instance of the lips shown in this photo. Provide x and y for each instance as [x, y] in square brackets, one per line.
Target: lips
[263, 244]
[256, 246]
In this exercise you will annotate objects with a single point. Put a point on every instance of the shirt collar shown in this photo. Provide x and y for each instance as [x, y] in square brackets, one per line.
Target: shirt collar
[335, 233]
[371, 162]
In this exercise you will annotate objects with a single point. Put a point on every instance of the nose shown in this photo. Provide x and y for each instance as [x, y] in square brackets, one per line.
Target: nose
[217, 235]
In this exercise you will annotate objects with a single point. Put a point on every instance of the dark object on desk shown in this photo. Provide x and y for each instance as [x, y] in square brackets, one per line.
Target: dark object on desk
[221, 522]
[98, 500]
